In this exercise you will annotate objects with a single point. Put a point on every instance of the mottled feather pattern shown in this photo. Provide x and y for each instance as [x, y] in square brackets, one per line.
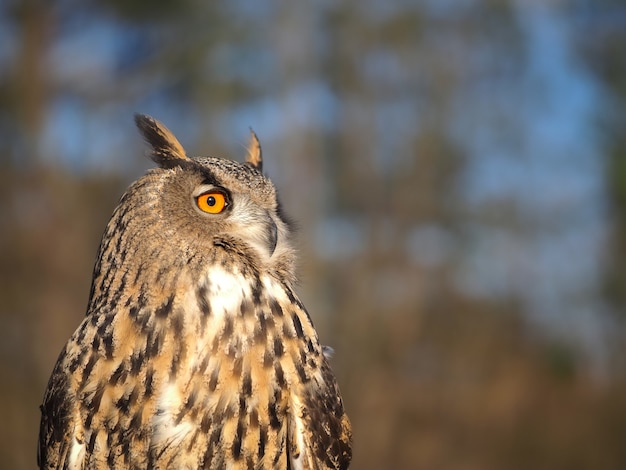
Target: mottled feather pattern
[195, 351]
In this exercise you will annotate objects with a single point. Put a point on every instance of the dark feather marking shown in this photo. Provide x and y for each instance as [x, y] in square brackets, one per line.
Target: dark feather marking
[207, 457]
[123, 404]
[118, 248]
[268, 358]
[179, 355]
[143, 318]
[301, 373]
[133, 311]
[262, 441]
[153, 343]
[159, 275]
[108, 345]
[279, 454]
[228, 327]
[81, 333]
[238, 438]
[135, 423]
[111, 436]
[94, 405]
[278, 347]
[78, 360]
[136, 361]
[87, 370]
[246, 388]
[214, 440]
[245, 308]
[138, 274]
[95, 344]
[303, 356]
[111, 458]
[205, 424]
[277, 310]
[216, 434]
[149, 390]
[189, 404]
[254, 418]
[193, 414]
[260, 331]
[165, 309]
[280, 375]
[228, 412]
[292, 298]
[203, 303]
[126, 450]
[134, 396]
[257, 289]
[273, 414]
[297, 325]
[92, 442]
[214, 378]
[142, 300]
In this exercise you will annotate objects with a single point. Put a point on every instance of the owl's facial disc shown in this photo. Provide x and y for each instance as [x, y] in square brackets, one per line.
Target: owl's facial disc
[244, 218]
[258, 230]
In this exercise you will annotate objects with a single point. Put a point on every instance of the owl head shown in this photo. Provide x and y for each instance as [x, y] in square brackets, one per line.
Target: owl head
[193, 212]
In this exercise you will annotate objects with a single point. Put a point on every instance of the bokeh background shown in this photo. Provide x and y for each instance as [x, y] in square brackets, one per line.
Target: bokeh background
[457, 168]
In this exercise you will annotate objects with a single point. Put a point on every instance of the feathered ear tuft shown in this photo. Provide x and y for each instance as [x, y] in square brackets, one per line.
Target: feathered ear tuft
[167, 152]
[254, 157]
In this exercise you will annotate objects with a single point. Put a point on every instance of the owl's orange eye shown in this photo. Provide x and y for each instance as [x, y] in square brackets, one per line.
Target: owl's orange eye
[212, 202]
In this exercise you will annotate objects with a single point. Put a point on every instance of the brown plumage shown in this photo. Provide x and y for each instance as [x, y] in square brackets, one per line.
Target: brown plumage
[195, 351]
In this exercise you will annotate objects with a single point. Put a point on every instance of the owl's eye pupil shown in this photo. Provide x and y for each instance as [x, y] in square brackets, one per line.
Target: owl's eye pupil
[210, 201]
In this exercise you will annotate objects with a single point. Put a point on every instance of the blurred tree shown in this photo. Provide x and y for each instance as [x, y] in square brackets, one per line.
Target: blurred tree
[24, 88]
[603, 51]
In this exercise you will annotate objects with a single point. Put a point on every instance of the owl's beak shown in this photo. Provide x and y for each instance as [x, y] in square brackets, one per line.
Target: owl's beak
[272, 236]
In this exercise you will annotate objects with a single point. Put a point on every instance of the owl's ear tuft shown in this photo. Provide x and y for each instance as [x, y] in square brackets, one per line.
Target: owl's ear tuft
[167, 152]
[254, 157]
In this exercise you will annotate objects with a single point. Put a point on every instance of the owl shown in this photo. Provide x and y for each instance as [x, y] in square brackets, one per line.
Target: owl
[195, 351]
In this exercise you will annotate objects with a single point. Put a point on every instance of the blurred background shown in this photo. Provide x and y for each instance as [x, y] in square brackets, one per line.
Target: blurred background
[457, 169]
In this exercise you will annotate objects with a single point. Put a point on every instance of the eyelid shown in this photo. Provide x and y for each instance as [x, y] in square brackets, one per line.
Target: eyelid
[205, 188]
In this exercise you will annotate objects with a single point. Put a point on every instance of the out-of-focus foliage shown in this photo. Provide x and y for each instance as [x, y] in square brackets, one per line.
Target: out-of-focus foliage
[458, 171]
